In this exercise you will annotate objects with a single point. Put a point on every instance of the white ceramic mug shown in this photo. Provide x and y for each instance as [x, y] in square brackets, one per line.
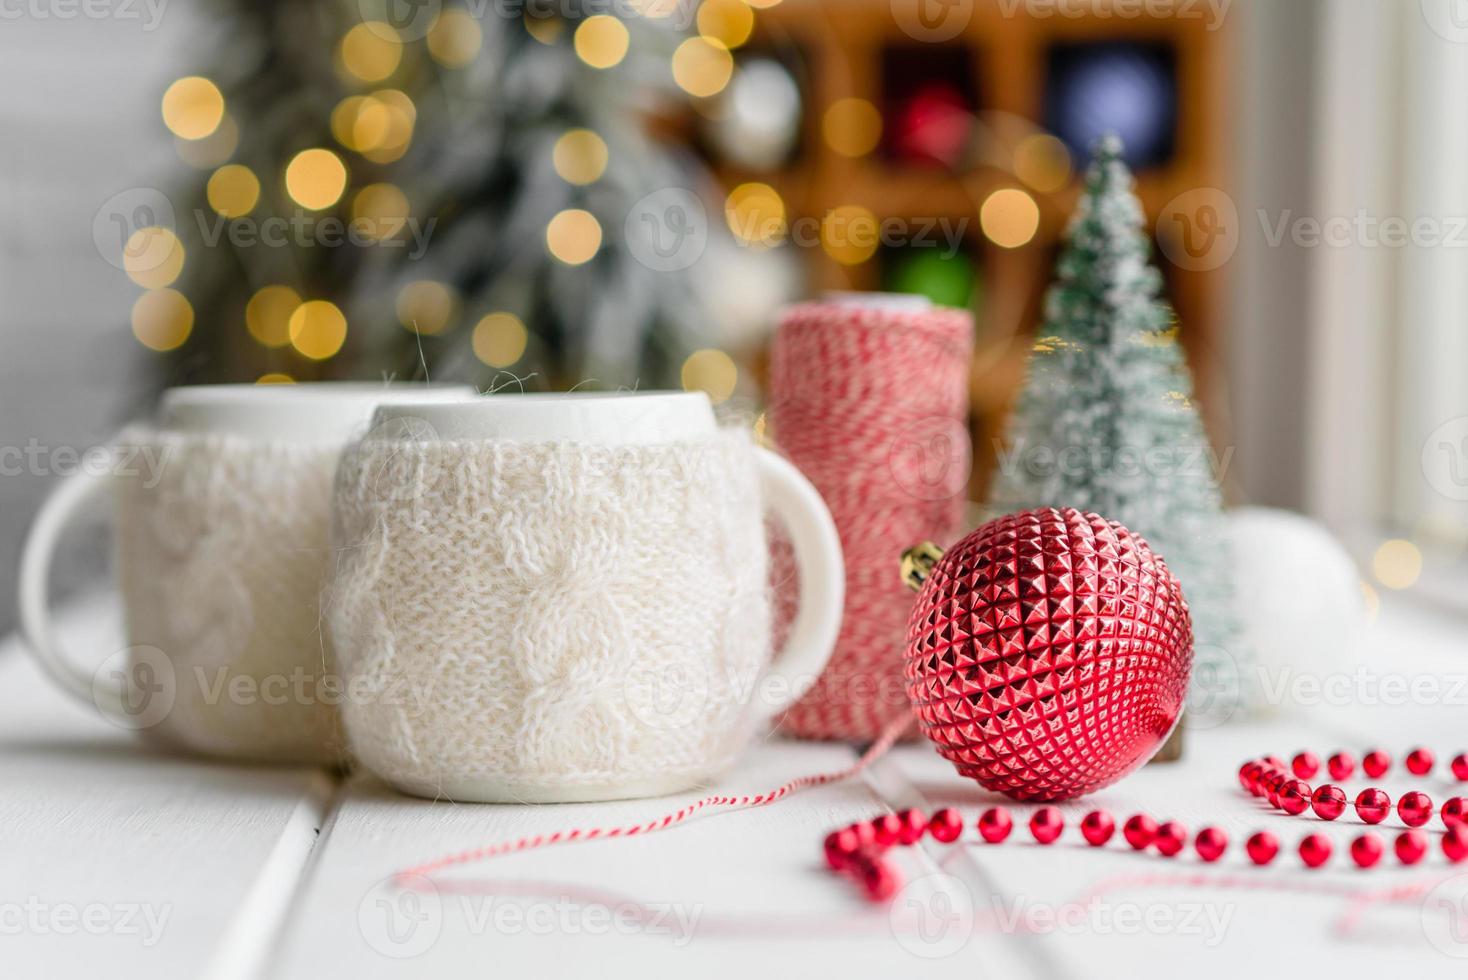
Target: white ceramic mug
[555, 598]
[220, 516]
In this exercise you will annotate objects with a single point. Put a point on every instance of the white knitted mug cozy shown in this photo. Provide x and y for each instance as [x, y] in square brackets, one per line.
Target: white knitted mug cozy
[552, 598]
[220, 514]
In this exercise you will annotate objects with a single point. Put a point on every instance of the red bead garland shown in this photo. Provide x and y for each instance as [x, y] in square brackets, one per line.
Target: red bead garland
[858, 849]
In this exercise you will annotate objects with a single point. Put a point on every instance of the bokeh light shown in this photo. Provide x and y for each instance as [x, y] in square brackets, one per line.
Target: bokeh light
[1043, 162]
[546, 30]
[580, 156]
[601, 41]
[371, 51]
[214, 149]
[728, 21]
[268, 315]
[318, 329]
[850, 234]
[852, 127]
[756, 214]
[426, 306]
[275, 378]
[193, 107]
[401, 115]
[381, 209]
[233, 190]
[499, 339]
[315, 178]
[153, 257]
[702, 67]
[162, 319]
[573, 236]
[1009, 217]
[1397, 564]
[454, 39]
[710, 371]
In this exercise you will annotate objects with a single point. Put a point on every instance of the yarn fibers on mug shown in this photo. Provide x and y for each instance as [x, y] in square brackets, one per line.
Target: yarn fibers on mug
[220, 557]
[549, 615]
[871, 403]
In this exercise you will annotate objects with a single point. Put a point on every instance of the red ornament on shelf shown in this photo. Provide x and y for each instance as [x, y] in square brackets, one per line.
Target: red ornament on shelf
[1048, 652]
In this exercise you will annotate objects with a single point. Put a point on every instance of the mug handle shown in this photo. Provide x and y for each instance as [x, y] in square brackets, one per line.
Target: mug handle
[821, 572]
[79, 492]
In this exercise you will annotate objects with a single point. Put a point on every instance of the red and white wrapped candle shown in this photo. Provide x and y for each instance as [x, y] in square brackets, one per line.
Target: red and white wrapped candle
[869, 398]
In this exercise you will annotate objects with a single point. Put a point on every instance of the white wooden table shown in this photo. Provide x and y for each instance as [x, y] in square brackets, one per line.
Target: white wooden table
[120, 862]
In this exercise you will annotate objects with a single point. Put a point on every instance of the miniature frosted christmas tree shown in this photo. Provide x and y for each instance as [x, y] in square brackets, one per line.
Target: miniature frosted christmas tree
[1106, 423]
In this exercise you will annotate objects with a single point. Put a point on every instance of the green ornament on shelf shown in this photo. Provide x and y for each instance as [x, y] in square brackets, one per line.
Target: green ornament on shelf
[946, 279]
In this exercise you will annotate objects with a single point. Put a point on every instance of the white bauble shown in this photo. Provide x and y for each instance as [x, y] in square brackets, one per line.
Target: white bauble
[758, 116]
[1299, 599]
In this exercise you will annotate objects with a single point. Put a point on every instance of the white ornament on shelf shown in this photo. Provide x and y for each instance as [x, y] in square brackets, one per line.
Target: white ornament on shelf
[1300, 600]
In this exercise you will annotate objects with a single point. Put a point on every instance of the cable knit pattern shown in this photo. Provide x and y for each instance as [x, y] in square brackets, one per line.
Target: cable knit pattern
[549, 615]
[220, 564]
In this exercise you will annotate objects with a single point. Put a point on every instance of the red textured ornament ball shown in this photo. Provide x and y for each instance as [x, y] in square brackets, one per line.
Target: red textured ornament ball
[1460, 767]
[880, 879]
[1097, 827]
[1315, 850]
[1420, 761]
[1328, 802]
[1262, 847]
[1305, 765]
[866, 834]
[995, 824]
[1046, 824]
[1411, 846]
[1373, 805]
[1048, 653]
[946, 825]
[1366, 850]
[1249, 774]
[1170, 839]
[1140, 831]
[1454, 812]
[1455, 844]
[1376, 763]
[1415, 809]
[1210, 844]
[1294, 797]
[1341, 765]
[914, 823]
[840, 846]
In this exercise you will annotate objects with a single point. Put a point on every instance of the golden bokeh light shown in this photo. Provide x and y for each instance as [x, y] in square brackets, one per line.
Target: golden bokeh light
[193, 108]
[702, 67]
[601, 41]
[580, 156]
[214, 149]
[153, 257]
[381, 209]
[315, 178]
[1372, 600]
[360, 122]
[850, 234]
[712, 372]
[162, 319]
[401, 116]
[1043, 162]
[370, 51]
[573, 236]
[756, 214]
[546, 30]
[1009, 217]
[426, 306]
[275, 378]
[728, 21]
[233, 190]
[1397, 564]
[852, 127]
[318, 329]
[499, 339]
[454, 39]
[268, 315]
[763, 4]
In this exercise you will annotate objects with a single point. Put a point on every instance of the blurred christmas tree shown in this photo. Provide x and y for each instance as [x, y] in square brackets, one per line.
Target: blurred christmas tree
[393, 185]
[1106, 422]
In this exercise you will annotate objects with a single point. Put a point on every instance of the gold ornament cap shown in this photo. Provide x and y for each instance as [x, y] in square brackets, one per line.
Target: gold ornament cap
[918, 562]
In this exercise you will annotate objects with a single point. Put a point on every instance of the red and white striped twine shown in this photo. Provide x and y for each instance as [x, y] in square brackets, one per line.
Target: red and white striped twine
[871, 405]
[741, 802]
